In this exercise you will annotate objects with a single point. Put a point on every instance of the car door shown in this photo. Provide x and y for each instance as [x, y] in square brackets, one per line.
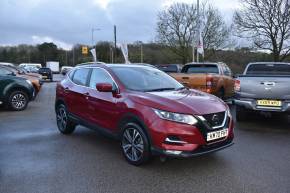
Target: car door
[103, 109]
[77, 93]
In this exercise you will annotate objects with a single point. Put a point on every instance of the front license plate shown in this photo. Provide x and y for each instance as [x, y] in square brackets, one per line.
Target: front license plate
[217, 134]
[44, 77]
[271, 103]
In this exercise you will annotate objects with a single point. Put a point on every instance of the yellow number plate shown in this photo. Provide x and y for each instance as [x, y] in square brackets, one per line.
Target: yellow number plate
[271, 103]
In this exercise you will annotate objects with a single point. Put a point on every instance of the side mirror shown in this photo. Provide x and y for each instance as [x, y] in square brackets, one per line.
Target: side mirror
[104, 87]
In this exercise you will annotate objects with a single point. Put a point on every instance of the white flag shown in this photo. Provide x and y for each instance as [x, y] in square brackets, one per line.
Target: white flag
[93, 52]
[200, 49]
[124, 48]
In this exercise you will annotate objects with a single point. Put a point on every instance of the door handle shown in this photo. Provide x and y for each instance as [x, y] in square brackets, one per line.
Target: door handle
[185, 78]
[87, 95]
[66, 89]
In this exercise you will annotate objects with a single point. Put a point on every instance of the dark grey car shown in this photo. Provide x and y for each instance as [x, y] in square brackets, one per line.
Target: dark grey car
[264, 86]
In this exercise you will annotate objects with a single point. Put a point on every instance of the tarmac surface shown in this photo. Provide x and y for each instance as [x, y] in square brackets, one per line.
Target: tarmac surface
[36, 158]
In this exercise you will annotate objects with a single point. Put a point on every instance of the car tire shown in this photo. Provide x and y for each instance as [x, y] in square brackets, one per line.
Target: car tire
[18, 100]
[241, 114]
[135, 144]
[64, 124]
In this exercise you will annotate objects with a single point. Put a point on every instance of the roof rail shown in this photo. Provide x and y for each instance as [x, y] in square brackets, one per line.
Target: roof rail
[90, 63]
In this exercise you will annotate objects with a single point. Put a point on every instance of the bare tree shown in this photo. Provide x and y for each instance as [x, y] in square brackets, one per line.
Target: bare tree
[267, 23]
[215, 31]
[177, 26]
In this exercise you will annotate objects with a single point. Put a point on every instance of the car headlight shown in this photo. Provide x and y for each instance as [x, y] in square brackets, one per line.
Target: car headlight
[181, 118]
[29, 82]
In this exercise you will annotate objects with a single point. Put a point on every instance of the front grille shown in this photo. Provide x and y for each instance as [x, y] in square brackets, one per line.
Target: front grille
[215, 119]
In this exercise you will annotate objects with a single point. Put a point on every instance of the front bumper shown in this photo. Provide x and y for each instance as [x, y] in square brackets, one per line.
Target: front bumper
[204, 149]
[187, 140]
[250, 104]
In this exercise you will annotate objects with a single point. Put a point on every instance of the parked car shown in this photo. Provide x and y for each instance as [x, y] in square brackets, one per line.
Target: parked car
[213, 78]
[36, 81]
[46, 74]
[6, 64]
[15, 92]
[146, 109]
[263, 87]
[65, 69]
[31, 69]
[170, 68]
[30, 65]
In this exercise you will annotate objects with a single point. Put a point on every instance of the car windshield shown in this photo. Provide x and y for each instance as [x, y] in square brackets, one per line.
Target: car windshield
[146, 79]
[203, 68]
[269, 69]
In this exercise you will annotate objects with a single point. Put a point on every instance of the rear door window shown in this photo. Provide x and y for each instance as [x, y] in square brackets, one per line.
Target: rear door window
[269, 69]
[80, 76]
[213, 69]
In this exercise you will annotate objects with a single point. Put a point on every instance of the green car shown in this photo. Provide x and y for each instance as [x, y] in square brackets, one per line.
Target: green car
[15, 92]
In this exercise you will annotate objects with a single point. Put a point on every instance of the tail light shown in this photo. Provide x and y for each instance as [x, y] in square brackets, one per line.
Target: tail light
[209, 83]
[237, 86]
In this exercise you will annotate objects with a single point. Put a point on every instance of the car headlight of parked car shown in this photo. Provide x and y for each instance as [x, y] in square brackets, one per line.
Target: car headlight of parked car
[29, 82]
[176, 117]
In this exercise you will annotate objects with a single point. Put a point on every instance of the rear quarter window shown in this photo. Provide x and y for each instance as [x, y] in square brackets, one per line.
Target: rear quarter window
[80, 76]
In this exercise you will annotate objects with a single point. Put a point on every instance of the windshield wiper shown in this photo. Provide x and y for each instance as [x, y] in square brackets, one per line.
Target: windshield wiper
[181, 88]
[159, 89]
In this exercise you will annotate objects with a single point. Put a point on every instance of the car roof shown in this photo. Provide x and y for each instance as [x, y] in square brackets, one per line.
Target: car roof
[269, 63]
[94, 64]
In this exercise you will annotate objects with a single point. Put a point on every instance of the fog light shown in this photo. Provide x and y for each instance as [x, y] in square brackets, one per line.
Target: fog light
[174, 140]
[173, 152]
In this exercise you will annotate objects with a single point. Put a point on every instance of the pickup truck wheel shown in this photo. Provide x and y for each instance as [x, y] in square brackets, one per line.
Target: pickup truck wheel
[241, 114]
[64, 124]
[18, 100]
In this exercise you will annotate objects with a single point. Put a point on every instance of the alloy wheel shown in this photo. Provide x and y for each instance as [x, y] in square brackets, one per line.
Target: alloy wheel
[18, 101]
[132, 144]
[61, 118]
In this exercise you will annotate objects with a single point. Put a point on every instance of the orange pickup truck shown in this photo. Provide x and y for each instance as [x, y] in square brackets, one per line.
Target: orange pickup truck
[213, 78]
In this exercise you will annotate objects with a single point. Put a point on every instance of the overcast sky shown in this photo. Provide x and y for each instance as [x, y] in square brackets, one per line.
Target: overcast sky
[67, 22]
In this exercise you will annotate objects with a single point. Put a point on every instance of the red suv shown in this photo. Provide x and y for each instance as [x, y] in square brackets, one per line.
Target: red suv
[146, 109]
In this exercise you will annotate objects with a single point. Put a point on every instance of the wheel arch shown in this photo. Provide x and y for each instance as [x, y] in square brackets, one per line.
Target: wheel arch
[59, 102]
[131, 117]
[10, 89]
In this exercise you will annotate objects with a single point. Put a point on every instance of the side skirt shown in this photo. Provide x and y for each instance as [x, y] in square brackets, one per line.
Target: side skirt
[101, 130]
